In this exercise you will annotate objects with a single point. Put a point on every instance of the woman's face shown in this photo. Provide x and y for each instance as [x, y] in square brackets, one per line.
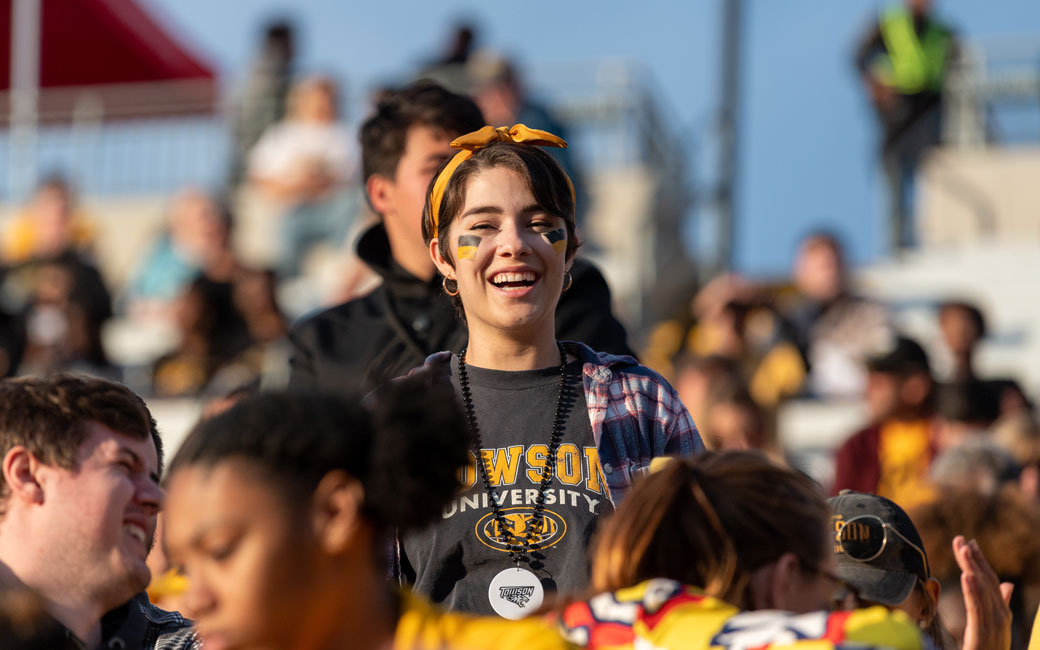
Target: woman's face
[244, 553]
[813, 588]
[510, 255]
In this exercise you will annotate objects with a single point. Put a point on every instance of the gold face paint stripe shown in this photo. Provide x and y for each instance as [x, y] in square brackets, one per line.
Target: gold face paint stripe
[468, 245]
[558, 239]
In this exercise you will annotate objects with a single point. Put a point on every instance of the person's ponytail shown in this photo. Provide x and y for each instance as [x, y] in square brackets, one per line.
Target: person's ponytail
[710, 522]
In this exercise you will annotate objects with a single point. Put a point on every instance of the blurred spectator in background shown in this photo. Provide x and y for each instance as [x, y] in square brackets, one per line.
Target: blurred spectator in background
[227, 327]
[902, 62]
[461, 45]
[978, 465]
[449, 69]
[735, 421]
[49, 227]
[962, 326]
[717, 397]
[262, 99]
[697, 377]
[977, 497]
[307, 162]
[1012, 397]
[891, 456]
[834, 329]
[1019, 434]
[720, 312]
[12, 339]
[226, 313]
[735, 319]
[499, 91]
[966, 410]
[66, 309]
[197, 240]
[55, 288]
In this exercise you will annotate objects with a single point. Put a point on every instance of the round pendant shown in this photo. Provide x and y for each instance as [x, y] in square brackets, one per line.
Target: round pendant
[515, 593]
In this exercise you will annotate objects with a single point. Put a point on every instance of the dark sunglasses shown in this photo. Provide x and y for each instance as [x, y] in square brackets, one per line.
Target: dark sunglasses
[865, 537]
[842, 594]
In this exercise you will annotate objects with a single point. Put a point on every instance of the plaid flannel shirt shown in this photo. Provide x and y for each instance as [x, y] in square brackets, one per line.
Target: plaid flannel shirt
[140, 625]
[636, 416]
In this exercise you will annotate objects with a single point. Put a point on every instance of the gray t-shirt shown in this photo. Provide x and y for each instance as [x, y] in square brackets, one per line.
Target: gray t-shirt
[453, 561]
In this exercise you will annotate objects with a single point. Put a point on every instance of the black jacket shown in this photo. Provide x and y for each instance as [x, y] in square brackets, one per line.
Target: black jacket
[360, 344]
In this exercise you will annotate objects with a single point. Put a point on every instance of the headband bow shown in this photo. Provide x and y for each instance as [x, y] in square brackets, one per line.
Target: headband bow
[472, 142]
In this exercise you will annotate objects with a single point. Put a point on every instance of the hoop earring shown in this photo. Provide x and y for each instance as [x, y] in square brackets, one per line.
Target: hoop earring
[568, 281]
[444, 285]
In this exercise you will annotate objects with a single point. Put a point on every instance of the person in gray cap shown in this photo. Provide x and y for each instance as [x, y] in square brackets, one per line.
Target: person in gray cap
[881, 560]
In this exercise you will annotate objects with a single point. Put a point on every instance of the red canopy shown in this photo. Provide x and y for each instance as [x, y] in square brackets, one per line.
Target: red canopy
[116, 52]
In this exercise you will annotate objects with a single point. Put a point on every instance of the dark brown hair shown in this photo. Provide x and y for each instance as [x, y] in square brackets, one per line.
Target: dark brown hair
[49, 415]
[544, 176]
[385, 132]
[711, 522]
[973, 313]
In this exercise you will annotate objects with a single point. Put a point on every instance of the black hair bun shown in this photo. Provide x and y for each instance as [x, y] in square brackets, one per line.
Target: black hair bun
[420, 443]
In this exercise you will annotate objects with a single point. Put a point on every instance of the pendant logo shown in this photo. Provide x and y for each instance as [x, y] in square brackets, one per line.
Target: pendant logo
[519, 522]
[519, 596]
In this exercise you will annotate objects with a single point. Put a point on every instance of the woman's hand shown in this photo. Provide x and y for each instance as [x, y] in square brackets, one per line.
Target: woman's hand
[435, 370]
[988, 622]
[434, 373]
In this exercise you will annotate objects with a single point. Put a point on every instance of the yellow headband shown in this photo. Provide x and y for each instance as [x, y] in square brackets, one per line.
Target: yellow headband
[471, 142]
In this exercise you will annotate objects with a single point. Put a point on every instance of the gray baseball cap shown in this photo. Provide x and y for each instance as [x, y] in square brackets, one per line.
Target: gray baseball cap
[879, 552]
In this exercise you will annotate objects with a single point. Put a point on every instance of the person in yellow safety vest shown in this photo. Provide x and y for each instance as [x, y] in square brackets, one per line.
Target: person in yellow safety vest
[903, 63]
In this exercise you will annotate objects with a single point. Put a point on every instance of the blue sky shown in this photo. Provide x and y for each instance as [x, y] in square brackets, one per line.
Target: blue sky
[808, 153]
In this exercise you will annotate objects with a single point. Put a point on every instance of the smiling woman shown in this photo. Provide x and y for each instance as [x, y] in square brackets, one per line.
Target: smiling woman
[559, 431]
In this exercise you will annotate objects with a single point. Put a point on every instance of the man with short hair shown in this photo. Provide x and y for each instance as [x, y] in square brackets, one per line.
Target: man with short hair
[81, 460]
[891, 456]
[364, 342]
[832, 326]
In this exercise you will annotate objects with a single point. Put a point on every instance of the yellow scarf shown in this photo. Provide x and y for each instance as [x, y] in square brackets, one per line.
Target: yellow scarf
[472, 142]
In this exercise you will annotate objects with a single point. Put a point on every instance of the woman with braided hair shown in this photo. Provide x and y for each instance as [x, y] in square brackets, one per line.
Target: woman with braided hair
[559, 431]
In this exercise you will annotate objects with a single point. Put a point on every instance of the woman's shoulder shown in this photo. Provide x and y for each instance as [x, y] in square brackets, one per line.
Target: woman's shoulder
[604, 366]
[660, 613]
[665, 614]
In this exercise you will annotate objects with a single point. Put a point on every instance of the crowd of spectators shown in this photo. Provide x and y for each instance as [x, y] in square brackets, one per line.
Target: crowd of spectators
[957, 450]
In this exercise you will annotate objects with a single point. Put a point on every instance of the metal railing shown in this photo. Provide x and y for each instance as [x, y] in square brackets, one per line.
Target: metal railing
[613, 108]
[992, 93]
[98, 138]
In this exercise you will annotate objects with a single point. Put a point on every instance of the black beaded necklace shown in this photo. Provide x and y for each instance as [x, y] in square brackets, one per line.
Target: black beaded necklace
[516, 553]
